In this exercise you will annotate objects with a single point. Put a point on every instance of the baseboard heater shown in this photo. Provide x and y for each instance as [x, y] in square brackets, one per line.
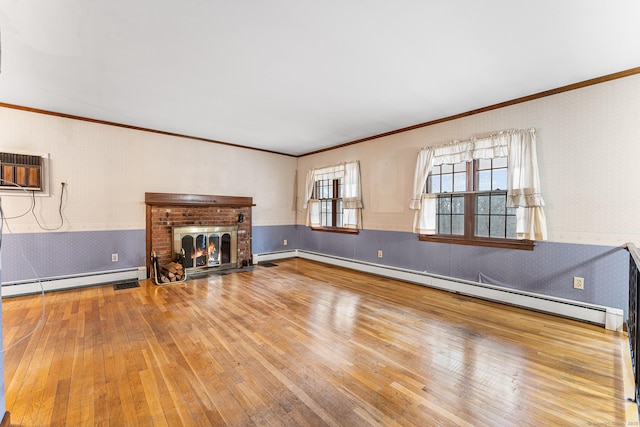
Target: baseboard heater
[35, 286]
[609, 317]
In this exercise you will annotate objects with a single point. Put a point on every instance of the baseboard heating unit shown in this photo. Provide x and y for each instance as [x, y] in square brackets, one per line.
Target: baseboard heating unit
[35, 286]
[609, 317]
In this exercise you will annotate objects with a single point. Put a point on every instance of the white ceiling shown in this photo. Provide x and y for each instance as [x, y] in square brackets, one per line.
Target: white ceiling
[295, 76]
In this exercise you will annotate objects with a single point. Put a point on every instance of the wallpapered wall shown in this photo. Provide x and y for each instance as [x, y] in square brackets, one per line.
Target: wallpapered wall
[107, 171]
[588, 146]
[588, 142]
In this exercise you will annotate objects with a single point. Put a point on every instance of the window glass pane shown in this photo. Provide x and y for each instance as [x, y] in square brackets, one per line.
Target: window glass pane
[340, 187]
[484, 180]
[498, 203]
[460, 181]
[460, 167]
[324, 189]
[482, 203]
[444, 205]
[497, 228]
[447, 183]
[500, 162]
[435, 184]
[444, 224]
[457, 204]
[482, 226]
[484, 164]
[325, 213]
[457, 224]
[511, 227]
[499, 179]
[492, 218]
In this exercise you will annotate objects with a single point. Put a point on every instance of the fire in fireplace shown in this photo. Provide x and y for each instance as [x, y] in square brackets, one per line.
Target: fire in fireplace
[206, 246]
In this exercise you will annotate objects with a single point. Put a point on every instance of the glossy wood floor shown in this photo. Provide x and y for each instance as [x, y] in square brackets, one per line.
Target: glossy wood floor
[303, 343]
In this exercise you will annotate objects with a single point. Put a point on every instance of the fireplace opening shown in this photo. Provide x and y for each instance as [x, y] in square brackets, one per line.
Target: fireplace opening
[206, 246]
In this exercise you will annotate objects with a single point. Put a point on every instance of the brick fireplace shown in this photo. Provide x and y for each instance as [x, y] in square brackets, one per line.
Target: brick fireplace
[168, 210]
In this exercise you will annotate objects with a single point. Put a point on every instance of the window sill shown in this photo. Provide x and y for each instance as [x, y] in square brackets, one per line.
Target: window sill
[525, 245]
[337, 230]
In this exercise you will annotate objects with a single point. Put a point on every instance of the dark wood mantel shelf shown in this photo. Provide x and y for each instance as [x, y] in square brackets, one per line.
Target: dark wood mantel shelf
[174, 199]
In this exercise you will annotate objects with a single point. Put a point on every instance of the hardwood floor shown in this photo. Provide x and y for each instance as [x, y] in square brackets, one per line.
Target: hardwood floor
[303, 343]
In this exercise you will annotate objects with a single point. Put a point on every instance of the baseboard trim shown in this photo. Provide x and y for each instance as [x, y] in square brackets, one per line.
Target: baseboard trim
[49, 284]
[609, 317]
[272, 256]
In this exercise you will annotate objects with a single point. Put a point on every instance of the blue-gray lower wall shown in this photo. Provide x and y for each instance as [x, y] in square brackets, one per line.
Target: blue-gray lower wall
[31, 256]
[271, 238]
[548, 269]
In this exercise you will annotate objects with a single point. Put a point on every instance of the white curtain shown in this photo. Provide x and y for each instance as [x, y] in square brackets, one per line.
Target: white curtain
[349, 172]
[313, 205]
[523, 191]
[352, 195]
[524, 186]
[424, 221]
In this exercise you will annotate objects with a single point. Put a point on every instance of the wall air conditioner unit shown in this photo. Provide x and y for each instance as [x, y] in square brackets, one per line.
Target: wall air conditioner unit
[21, 172]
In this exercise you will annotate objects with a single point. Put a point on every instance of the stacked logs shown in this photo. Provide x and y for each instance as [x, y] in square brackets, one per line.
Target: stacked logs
[172, 272]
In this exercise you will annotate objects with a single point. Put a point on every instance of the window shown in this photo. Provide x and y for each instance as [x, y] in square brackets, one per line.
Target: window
[482, 191]
[333, 198]
[472, 200]
[329, 194]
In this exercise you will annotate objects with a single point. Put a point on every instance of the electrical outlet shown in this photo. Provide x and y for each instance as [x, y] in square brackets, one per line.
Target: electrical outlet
[578, 282]
[114, 257]
[379, 253]
[285, 242]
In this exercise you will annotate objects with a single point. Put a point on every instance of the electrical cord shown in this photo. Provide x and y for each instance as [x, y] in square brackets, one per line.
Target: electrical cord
[22, 214]
[33, 206]
[24, 257]
[3, 223]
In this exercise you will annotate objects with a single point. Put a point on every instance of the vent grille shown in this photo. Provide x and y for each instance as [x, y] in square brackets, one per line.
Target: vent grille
[126, 285]
[20, 171]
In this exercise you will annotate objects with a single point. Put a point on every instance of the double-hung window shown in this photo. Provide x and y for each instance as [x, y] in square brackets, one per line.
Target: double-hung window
[333, 198]
[472, 201]
[480, 192]
[329, 192]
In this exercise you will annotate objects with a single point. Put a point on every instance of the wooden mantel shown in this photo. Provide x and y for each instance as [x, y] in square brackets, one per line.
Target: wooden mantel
[174, 199]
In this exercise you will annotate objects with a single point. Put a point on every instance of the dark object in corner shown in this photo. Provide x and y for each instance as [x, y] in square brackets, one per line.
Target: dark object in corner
[267, 264]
